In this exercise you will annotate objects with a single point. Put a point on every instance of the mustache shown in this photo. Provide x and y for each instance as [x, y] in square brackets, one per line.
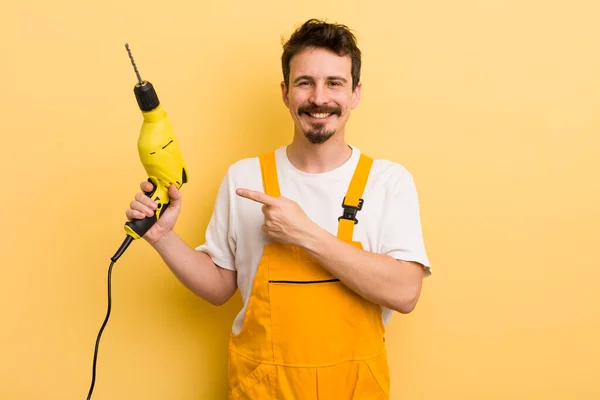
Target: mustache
[314, 109]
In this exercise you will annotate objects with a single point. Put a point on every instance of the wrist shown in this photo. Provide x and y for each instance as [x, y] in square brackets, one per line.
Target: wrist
[314, 237]
[162, 240]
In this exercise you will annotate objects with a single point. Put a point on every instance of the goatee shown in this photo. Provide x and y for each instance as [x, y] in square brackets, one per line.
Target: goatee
[318, 135]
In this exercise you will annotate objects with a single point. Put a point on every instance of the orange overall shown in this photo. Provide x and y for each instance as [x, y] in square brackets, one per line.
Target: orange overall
[305, 334]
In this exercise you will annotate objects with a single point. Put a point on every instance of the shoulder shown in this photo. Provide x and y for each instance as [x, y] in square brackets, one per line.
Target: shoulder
[246, 172]
[243, 167]
[250, 165]
[390, 174]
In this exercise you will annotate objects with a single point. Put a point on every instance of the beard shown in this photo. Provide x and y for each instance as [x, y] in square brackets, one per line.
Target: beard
[317, 134]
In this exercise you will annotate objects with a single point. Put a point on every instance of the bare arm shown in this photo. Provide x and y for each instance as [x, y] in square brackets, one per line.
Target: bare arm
[193, 268]
[392, 283]
[196, 270]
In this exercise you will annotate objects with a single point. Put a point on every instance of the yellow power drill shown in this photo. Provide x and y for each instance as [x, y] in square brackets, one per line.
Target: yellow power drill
[160, 154]
[162, 159]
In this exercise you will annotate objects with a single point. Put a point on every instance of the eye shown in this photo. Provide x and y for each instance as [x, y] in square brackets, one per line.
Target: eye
[335, 83]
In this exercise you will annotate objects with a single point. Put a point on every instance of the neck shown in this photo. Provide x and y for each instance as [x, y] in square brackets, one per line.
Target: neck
[318, 158]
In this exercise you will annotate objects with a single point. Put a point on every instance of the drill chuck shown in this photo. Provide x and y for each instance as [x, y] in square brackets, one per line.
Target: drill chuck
[146, 96]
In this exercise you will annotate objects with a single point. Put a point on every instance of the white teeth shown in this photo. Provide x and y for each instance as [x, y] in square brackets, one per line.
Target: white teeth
[320, 115]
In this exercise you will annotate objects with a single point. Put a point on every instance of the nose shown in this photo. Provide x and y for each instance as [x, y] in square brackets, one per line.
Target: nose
[318, 95]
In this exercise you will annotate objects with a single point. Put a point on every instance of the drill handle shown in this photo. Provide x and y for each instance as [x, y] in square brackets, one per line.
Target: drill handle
[138, 227]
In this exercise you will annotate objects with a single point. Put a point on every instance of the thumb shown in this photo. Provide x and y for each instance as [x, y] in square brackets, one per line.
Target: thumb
[174, 195]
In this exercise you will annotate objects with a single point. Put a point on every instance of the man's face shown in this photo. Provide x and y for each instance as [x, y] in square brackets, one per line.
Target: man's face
[320, 95]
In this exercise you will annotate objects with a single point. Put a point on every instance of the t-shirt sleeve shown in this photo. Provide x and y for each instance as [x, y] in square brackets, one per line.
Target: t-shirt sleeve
[402, 235]
[219, 241]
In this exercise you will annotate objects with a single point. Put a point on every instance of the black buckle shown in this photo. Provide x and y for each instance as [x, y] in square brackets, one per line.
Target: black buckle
[350, 211]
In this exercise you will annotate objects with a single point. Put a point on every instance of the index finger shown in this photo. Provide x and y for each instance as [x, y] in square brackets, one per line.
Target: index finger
[259, 197]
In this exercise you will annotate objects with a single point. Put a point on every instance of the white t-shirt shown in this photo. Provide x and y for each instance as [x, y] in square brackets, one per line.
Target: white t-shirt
[389, 222]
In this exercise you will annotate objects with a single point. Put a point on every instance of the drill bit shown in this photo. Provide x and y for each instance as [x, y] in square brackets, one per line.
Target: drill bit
[134, 66]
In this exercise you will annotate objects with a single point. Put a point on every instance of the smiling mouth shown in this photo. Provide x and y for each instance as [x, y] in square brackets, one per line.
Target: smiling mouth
[319, 115]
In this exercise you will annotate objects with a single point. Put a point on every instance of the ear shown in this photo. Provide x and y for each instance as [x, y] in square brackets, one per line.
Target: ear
[284, 94]
[356, 95]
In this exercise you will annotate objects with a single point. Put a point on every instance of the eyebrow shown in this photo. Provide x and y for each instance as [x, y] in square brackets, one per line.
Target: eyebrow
[329, 78]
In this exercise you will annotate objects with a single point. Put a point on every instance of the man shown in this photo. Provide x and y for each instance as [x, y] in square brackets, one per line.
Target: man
[322, 241]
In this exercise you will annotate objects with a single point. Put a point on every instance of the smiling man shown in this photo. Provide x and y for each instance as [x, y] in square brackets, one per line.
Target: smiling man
[323, 241]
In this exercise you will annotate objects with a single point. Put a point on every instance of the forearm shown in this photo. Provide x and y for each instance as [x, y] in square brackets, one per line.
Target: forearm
[195, 269]
[379, 278]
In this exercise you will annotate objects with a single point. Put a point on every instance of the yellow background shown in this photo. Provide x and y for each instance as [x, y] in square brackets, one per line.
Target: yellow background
[492, 105]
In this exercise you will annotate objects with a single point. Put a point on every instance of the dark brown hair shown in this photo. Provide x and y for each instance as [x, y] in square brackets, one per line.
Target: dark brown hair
[316, 33]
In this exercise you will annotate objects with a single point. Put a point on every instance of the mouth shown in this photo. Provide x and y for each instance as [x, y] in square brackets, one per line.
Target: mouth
[319, 116]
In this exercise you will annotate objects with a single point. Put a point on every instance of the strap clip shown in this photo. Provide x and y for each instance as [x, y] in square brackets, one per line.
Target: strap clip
[350, 211]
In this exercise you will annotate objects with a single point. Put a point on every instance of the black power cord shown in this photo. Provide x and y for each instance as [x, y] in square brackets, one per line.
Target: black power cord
[114, 259]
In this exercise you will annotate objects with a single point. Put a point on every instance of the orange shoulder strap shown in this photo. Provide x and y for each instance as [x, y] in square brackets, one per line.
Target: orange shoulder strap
[268, 170]
[353, 201]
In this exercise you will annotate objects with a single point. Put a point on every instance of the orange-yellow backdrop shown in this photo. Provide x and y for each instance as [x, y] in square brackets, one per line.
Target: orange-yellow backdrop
[493, 106]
